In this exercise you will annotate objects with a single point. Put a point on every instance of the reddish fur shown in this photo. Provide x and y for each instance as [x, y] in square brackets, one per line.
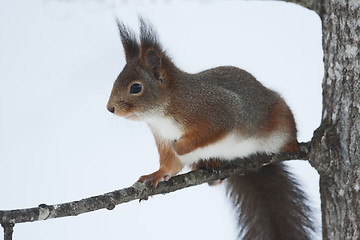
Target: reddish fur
[274, 120]
[170, 165]
[197, 137]
[280, 117]
[209, 164]
[291, 147]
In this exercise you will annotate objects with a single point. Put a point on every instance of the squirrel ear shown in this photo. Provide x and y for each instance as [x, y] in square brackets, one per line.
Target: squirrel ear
[129, 41]
[153, 62]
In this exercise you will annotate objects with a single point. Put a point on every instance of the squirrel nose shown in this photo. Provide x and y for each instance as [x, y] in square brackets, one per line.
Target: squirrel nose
[111, 109]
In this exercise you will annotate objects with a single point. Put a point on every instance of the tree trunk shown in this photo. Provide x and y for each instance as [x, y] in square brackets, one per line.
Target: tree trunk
[336, 153]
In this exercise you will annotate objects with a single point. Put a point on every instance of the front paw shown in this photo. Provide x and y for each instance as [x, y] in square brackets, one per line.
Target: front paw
[182, 147]
[155, 178]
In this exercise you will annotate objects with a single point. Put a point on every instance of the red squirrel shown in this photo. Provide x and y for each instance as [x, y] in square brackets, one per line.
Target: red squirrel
[222, 113]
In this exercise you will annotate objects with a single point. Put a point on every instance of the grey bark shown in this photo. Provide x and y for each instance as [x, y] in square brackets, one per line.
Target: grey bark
[336, 153]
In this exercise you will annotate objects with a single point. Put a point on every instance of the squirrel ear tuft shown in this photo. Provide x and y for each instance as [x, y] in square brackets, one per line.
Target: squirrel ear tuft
[152, 57]
[148, 37]
[129, 41]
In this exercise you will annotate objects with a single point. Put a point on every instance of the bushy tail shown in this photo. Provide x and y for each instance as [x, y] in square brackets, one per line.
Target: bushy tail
[271, 206]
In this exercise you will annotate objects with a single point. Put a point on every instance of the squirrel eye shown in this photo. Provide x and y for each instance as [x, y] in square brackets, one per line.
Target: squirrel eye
[135, 88]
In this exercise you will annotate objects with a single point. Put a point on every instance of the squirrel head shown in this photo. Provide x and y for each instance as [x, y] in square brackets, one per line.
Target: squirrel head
[145, 83]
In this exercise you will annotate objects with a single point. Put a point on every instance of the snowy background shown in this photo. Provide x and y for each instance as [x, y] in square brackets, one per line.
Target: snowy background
[58, 143]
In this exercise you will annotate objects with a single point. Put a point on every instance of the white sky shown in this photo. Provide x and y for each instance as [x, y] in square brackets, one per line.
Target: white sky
[58, 143]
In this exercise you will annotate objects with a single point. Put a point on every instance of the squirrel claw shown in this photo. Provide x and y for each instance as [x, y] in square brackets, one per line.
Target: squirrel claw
[143, 199]
[167, 177]
[155, 178]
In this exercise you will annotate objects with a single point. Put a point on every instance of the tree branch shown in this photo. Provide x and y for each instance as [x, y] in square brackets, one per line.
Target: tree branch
[142, 191]
[315, 5]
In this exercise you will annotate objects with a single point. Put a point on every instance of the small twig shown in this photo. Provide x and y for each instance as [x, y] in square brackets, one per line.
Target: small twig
[8, 230]
[142, 191]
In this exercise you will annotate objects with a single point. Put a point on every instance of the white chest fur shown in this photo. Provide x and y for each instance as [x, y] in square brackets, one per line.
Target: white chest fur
[230, 147]
[165, 128]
